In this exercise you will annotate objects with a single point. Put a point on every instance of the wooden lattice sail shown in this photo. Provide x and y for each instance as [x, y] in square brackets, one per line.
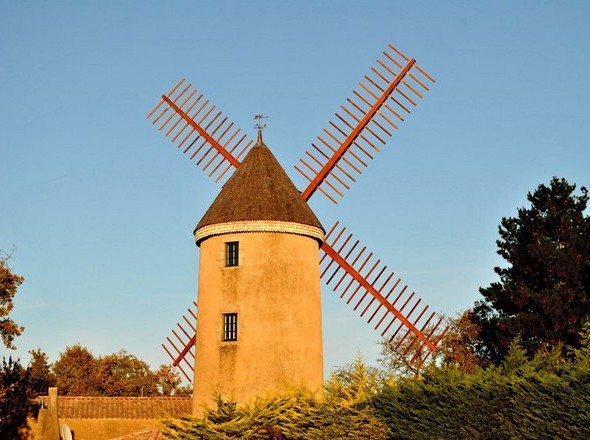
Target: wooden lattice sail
[378, 295]
[181, 347]
[199, 130]
[383, 100]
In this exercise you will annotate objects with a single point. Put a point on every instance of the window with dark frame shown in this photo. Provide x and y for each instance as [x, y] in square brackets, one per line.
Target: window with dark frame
[232, 253]
[230, 327]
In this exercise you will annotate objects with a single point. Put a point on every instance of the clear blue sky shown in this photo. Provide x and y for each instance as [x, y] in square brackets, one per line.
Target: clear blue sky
[100, 208]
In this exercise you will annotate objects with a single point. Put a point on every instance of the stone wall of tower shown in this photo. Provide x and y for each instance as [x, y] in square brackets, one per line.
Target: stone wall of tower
[275, 290]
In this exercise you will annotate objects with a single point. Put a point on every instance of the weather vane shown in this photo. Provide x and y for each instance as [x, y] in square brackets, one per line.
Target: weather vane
[259, 125]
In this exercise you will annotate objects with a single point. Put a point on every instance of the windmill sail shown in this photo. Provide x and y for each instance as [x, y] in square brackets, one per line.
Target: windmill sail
[181, 348]
[384, 98]
[377, 294]
[199, 130]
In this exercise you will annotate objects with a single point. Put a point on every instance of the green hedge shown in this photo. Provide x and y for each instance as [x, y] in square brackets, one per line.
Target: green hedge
[492, 404]
[295, 415]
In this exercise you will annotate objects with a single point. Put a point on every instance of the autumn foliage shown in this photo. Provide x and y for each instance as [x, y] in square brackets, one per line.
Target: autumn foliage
[9, 282]
[79, 373]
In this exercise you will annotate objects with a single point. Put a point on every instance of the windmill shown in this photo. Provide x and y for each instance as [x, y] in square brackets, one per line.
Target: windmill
[260, 232]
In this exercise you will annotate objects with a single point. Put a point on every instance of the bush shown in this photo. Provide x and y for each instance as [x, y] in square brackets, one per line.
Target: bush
[546, 398]
[296, 414]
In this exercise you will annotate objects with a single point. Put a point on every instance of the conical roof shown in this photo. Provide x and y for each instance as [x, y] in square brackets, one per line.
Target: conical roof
[259, 190]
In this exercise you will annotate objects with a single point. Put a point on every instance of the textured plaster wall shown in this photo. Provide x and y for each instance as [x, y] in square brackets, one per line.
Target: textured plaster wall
[104, 429]
[275, 290]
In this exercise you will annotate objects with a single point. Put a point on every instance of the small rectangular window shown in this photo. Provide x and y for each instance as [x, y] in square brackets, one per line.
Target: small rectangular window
[231, 253]
[230, 326]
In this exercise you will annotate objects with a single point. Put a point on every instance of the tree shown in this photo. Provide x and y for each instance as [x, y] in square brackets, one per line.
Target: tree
[75, 372]
[399, 360]
[15, 400]
[294, 414]
[169, 382]
[543, 296]
[123, 374]
[405, 355]
[547, 397]
[353, 384]
[9, 283]
[41, 375]
[78, 373]
[458, 349]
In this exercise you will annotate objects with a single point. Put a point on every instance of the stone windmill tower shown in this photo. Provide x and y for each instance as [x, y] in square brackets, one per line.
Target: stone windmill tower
[258, 321]
[259, 324]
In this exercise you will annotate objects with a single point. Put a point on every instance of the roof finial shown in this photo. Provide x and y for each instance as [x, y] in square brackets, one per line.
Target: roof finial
[259, 126]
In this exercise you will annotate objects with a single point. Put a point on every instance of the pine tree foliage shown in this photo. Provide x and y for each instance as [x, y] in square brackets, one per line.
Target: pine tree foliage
[543, 398]
[543, 296]
[354, 384]
[295, 414]
[516, 357]
[547, 397]
[581, 354]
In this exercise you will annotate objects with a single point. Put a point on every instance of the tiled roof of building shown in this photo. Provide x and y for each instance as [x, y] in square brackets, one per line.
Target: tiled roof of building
[72, 407]
[259, 190]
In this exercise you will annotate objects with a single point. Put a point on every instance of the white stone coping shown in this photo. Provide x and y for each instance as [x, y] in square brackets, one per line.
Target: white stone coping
[259, 226]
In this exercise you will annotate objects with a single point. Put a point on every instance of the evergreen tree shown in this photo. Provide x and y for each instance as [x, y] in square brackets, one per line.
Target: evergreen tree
[41, 376]
[295, 414]
[543, 296]
[353, 384]
[547, 397]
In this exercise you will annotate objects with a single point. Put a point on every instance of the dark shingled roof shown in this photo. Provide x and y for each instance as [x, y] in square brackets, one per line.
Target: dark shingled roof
[259, 190]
